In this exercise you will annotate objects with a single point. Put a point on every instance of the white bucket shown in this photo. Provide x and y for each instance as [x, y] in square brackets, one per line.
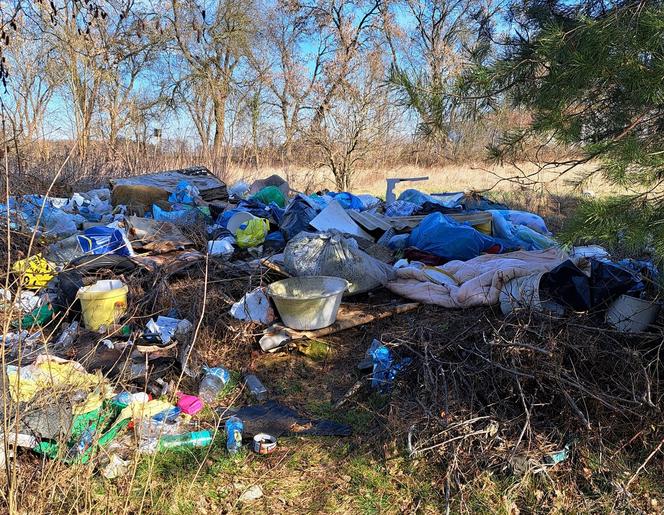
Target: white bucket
[523, 292]
[632, 315]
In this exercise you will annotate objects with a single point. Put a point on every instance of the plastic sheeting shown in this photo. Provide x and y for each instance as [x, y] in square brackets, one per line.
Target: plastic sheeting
[449, 200]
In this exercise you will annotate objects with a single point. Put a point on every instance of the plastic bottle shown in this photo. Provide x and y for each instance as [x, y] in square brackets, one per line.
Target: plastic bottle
[234, 428]
[84, 442]
[382, 361]
[168, 416]
[193, 439]
[256, 387]
[153, 444]
[67, 336]
[212, 383]
[150, 428]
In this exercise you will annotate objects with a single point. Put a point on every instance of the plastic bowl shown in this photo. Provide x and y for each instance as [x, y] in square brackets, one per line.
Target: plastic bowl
[308, 303]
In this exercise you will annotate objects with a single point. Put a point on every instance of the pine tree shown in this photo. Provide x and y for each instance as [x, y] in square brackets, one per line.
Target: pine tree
[592, 75]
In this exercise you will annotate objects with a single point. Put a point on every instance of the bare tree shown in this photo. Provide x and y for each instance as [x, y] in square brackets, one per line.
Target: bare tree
[290, 64]
[212, 40]
[356, 125]
[431, 45]
[30, 86]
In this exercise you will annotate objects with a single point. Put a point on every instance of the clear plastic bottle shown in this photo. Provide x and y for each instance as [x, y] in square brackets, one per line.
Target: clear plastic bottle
[67, 336]
[256, 387]
[382, 361]
[213, 382]
[234, 428]
[151, 428]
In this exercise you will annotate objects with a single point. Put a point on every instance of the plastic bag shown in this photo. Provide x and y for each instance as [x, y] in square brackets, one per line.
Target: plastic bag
[271, 194]
[35, 272]
[449, 200]
[450, 240]
[184, 193]
[254, 307]
[519, 235]
[535, 222]
[252, 233]
[348, 200]
[177, 216]
[334, 255]
[105, 240]
[297, 217]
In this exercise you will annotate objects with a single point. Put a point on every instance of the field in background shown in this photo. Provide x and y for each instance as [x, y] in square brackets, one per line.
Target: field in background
[487, 178]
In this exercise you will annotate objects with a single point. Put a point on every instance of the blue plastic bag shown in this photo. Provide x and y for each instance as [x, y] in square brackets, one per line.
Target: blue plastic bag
[535, 222]
[348, 200]
[177, 216]
[442, 236]
[184, 193]
[104, 240]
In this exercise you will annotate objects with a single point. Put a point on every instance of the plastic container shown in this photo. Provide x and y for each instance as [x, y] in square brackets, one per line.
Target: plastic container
[237, 220]
[234, 428]
[631, 314]
[213, 382]
[523, 292]
[103, 303]
[308, 303]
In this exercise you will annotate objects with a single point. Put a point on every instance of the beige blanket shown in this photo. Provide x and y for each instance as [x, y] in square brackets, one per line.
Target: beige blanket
[476, 282]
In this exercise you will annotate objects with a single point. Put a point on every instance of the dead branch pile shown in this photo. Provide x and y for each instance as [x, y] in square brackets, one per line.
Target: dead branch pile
[489, 392]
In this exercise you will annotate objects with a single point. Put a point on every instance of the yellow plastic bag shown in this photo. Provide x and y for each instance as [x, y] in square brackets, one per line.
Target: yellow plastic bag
[34, 272]
[252, 233]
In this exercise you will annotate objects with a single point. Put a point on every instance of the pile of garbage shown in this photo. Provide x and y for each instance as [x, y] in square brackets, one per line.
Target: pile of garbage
[73, 299]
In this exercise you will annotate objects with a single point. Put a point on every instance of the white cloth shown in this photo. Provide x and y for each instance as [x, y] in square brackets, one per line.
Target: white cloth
[475, 282]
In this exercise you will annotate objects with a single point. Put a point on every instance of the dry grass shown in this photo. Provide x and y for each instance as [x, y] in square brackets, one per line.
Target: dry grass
[480, 177]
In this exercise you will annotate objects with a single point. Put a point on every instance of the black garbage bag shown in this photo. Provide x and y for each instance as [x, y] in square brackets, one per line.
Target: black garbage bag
[608, 281]
[297, 217]
[276, 419]
[568, 286]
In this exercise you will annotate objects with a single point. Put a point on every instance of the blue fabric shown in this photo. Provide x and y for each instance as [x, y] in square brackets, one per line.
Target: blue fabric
[401, 208]
[103, 240]
[442, 236]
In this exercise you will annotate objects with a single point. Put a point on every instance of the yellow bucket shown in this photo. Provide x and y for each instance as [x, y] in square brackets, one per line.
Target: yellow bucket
[103, 303]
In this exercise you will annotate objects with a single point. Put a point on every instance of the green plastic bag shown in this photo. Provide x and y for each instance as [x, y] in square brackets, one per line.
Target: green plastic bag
[252, 233]
[271, 194]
